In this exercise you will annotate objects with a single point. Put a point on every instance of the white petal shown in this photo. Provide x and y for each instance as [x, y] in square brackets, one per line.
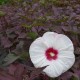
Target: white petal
[49, 38]
[67, 62]
[69, 54]
[59, 66]
[37, 47]
[37, 53]
[63, 43]
[36, 60]
[67, 59]
[54, 70]
[42, 63]
[50, 71]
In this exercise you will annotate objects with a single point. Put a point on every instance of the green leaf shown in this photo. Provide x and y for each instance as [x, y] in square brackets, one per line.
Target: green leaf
[24, 56]
[3, 1]
[74, 78]
[3, 54]
[32, 35]
[27, 26]
[2, 13]
[42, 1]
[10, 58]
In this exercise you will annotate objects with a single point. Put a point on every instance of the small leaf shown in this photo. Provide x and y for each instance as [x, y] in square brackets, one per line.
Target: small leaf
[42, 1]
[6, 42]
[36, 72]
[32, 35]
[3, 54]
[27, 26]
[77, 50]
[24, 56]
[19, 48]
[3, 2]
[20, 45]
[74, 78]
[22, 35]
[6, 76]
[10, 58]
[2, 13]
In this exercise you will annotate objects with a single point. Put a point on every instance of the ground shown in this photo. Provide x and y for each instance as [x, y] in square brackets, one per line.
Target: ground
[22, 21]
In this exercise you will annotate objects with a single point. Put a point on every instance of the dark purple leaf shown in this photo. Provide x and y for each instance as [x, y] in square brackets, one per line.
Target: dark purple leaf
[6, 42]
[66, 76]
[35, 73]
[77, 50]
[6, 76]
[22, 35]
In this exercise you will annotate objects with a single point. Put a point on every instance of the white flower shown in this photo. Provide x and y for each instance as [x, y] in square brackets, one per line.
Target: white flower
[55, 50]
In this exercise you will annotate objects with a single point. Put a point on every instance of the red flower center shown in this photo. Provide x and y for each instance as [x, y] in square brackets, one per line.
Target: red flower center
[51, 54]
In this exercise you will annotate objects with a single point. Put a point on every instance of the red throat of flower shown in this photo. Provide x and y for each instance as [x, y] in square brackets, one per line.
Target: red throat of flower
[51, 54]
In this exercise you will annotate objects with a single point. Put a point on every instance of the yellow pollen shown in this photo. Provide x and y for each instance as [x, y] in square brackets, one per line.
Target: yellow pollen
[52, 54]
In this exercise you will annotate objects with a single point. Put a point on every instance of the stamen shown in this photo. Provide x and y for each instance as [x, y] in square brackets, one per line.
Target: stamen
[52, 54]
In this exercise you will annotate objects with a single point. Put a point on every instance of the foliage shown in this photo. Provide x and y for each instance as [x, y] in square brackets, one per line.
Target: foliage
[22, 21]
[3, 1]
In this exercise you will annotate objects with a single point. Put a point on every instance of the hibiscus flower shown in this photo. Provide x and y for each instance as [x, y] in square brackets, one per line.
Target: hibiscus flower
[53, 50]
